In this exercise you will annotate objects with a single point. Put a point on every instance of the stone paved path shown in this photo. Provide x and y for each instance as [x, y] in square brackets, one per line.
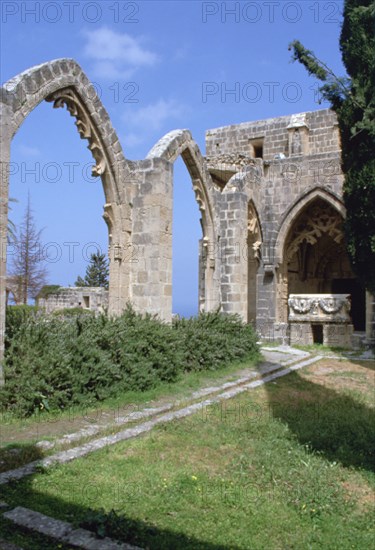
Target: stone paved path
[264, 373]
[278, 362]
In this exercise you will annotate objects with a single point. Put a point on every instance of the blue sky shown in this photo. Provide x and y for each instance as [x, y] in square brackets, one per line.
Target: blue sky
[157, 66]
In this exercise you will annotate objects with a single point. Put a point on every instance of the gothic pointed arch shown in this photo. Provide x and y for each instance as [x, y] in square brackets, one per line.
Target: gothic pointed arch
[170, 147]
[296, 209]
[181, 143]
[63, 83]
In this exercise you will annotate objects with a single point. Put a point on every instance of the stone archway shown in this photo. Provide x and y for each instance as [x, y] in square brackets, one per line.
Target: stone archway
[63, 82]
[314, 258]
[170, 147]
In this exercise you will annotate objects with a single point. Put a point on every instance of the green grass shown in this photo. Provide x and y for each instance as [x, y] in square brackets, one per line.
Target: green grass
[189, 381]
[20, 451]
[288, 465]
[22, 538]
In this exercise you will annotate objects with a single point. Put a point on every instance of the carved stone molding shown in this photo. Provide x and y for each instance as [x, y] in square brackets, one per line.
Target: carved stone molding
[319, 308]
[224, 166]
[254, 231]
[319, 220]
[85, 126]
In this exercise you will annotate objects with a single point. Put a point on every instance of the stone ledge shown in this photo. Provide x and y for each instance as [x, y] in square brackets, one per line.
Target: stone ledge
[62, 531]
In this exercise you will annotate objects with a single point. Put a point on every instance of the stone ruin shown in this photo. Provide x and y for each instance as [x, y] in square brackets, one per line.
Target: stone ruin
[88, 298]
[320, 318]
[269, 193]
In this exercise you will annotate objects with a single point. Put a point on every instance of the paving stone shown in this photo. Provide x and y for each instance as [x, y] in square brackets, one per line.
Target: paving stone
[83, 450]
[62, 531]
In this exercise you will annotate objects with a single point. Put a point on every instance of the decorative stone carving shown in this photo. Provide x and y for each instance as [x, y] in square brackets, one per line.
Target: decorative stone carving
[85, 126]
[225, 166]
[298, 134]
[319, 220]
[291, 172]
[254, 231]
[323, 308]
[296, 142]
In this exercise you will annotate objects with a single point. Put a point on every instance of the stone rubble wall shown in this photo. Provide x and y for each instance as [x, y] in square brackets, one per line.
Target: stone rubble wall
[88, 298]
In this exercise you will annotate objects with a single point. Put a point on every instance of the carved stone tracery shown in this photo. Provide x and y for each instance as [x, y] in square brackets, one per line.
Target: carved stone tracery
[316, 221]
[85, 126]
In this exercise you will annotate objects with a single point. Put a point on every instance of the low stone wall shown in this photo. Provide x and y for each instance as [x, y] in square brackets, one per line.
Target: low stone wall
[89, 298]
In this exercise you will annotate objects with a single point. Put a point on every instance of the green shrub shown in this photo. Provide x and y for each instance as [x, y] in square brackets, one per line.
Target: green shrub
[54, 362]
[16, 316]
[47, 290]
[213, 340]
[72, 312]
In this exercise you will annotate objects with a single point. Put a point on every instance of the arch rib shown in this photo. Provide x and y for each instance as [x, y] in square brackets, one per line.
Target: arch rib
[298, 206]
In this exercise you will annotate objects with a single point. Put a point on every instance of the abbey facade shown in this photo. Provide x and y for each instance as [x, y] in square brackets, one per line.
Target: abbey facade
[270, 197]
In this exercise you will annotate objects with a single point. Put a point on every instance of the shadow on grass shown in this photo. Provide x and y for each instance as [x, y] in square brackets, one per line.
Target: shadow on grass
[15, 455]
[114, 525]
[330, 423]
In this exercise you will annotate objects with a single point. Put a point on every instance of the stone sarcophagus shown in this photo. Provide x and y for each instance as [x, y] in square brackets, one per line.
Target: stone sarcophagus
[320, 319]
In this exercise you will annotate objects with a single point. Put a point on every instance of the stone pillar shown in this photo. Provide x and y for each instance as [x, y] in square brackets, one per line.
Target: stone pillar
[121, 255]
[233, 250]
[267, 297]
[151, 270]
[202, 267]
[209, 270]
[5, 139]
[266, 304]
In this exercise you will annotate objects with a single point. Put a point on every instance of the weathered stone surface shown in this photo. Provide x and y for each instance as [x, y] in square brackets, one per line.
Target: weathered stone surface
[260, 191]
[88, 298]
[323, 317]
[62, 531]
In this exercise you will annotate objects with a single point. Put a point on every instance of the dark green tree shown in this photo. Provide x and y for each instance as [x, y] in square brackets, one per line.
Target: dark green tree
[97, 272]
[353, 99]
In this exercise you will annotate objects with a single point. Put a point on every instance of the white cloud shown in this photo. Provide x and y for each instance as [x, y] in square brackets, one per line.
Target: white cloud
[151, 121]
[152, 117]
[116, 54]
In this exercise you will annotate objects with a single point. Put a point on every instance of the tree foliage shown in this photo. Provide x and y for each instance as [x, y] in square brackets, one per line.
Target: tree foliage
[97, 272]
[52, 363]
[28, 272]
[353, 99]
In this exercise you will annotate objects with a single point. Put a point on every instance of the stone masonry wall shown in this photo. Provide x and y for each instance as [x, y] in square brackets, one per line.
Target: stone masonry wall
[255, 180]
[282, 179]
[91, 298]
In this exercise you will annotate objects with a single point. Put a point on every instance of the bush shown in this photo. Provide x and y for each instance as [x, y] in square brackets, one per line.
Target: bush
[54, 362]
[16, 316]
[213, 340]
[72, 312]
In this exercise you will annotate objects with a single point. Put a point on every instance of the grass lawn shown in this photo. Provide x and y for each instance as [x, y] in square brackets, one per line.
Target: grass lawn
[288, 465]
[21, 434]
